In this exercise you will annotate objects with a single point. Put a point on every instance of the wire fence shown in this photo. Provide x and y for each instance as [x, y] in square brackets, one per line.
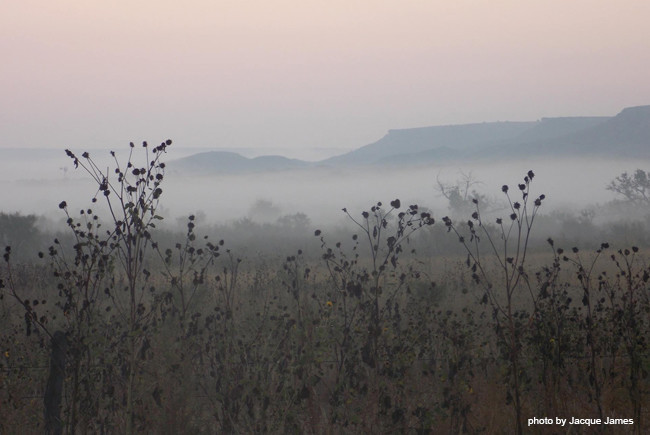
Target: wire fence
[601, 358]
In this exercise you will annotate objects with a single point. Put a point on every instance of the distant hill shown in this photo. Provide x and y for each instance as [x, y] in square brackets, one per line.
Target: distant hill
[223, 162]
[626, 135]
[549, 129]
[449, 140]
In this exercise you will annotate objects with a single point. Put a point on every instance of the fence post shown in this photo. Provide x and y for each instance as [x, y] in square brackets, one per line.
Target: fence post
[54, 389]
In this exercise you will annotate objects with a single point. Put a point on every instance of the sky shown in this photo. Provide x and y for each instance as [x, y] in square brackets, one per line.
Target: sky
[301, 75]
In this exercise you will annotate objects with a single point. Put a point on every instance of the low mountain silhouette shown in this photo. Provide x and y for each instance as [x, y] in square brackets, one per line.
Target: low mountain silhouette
[224, 162]
[626, 135]
[450, 141]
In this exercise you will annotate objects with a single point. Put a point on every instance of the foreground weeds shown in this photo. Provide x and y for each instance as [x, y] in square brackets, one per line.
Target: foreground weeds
[117, 333]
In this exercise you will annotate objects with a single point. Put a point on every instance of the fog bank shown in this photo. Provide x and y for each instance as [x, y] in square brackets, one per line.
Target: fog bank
[37, 183]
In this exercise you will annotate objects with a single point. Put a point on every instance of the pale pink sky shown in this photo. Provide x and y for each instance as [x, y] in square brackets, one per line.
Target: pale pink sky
[302, 74]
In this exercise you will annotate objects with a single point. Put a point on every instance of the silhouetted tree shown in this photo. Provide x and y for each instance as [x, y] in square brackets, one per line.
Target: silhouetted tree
[635, 188]
[460, 194]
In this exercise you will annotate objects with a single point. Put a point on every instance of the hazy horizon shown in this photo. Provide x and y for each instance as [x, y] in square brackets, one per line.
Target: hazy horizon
[309, 154]
[39, 185]
[307, 75]
[306, 80]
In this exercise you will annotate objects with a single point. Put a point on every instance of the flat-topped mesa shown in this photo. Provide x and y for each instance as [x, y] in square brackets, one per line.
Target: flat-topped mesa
[626, 135]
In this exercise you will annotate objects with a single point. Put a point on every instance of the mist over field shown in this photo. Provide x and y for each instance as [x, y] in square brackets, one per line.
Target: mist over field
[39, 180]
[574, 158]
[322, 192]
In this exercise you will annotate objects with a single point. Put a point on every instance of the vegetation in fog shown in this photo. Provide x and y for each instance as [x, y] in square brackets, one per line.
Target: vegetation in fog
[396, 322]
[634, 188]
